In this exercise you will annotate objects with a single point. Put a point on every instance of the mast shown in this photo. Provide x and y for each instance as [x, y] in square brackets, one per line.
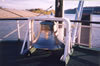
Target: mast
[59, 8]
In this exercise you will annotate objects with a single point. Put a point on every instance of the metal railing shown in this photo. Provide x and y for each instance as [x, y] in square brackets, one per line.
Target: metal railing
[67, 39]
[91, 28]
[30, 30]
[29, 33]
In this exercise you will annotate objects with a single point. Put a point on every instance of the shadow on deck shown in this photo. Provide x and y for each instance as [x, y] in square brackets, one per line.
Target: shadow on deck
[10, 56]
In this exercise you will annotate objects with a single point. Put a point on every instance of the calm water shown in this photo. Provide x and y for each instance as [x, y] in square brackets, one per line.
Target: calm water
[8, 29]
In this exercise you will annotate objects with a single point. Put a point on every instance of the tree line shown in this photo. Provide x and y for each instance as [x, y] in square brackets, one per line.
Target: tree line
[38, 10]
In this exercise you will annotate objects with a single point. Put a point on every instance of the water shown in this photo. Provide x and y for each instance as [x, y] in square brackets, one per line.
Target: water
[8, 29]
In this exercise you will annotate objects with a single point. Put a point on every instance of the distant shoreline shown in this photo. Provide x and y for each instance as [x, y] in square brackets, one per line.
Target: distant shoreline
[42, 11]
[86, 10]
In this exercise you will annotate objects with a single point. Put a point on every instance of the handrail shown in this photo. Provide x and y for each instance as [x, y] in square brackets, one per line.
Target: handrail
[85, 21]
[68, 33]
[75, 21]
[21, 18]
[48, 19]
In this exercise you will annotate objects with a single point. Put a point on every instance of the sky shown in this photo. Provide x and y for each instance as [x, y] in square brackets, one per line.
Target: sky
[43, 4]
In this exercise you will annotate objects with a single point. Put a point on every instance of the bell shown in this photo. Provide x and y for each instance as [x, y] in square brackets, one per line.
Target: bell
[47, 39]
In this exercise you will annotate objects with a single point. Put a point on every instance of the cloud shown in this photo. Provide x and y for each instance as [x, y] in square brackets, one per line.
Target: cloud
[22, 4]
[74, 4]
[28, 4]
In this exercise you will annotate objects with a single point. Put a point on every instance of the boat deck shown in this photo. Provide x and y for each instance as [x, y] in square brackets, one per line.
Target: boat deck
[10, 56]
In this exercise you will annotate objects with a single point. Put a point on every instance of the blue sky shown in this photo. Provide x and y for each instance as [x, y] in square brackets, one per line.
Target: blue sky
[44, 4]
